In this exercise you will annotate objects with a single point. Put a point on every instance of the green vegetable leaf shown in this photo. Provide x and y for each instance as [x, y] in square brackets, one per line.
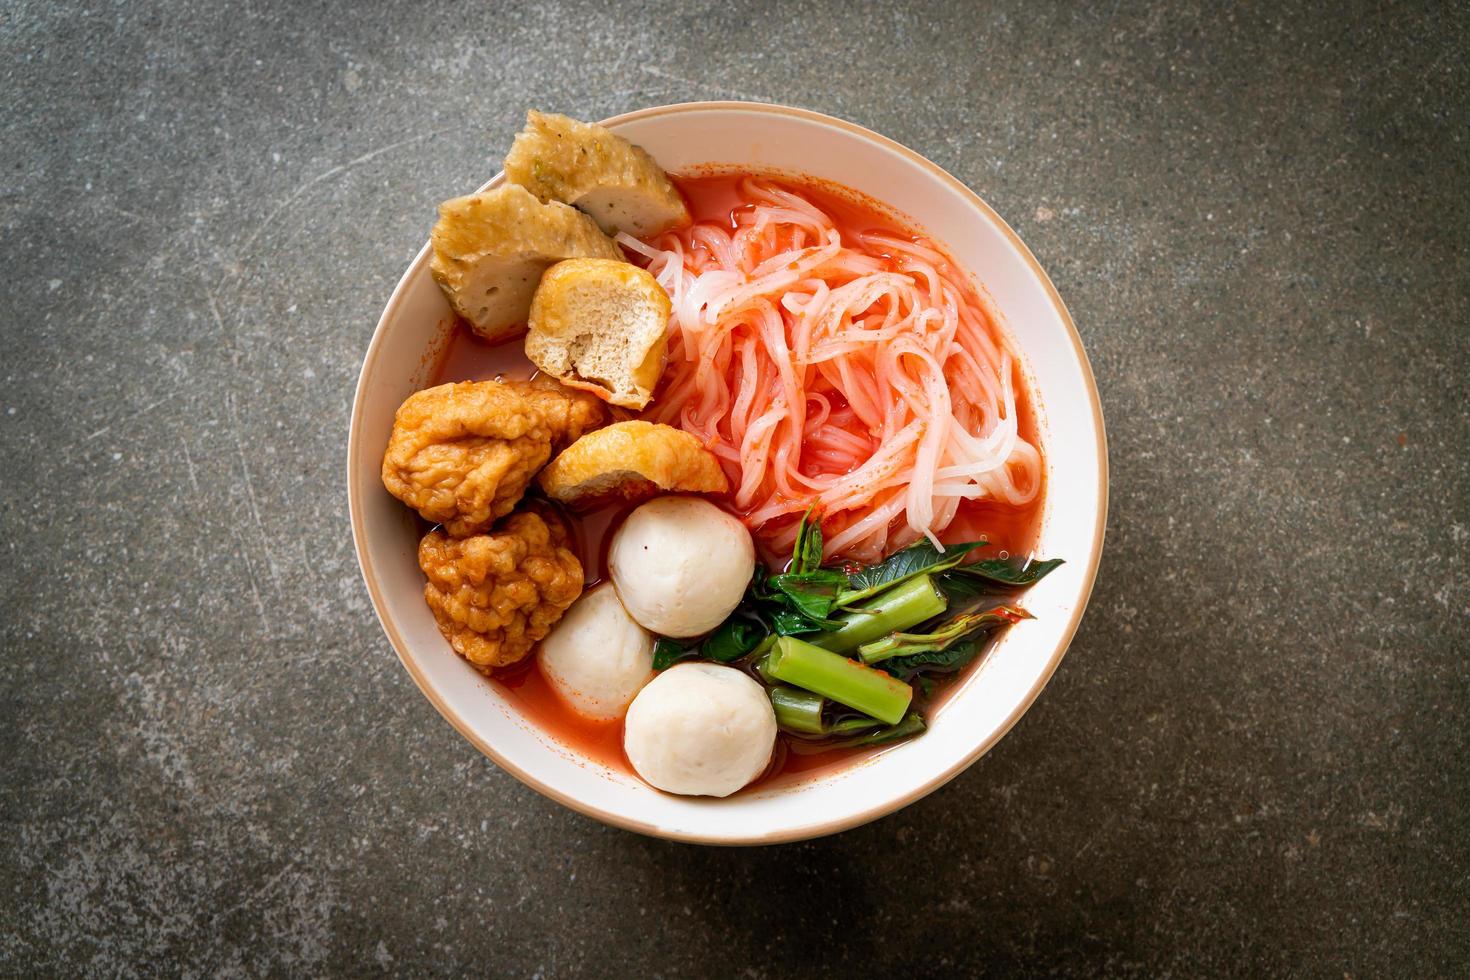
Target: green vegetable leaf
[794, 602]
[733, 639]
[910, 725]
[957, 657]
[970, 585]
[942, 637]
[759, 589]
[768, 604]
[1007, 572]
[789, 622]
[852, 725]
[811, 593]
[806, 556]
[667, 652]
[917, 559]
[965, 590]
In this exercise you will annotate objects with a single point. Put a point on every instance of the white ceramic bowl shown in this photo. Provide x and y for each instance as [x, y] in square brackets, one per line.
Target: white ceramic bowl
[990, 700]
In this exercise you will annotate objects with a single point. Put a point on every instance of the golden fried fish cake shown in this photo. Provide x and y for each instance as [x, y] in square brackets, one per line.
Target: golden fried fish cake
[558, 158]
[490, 248]
[463, 454]
[496, 595]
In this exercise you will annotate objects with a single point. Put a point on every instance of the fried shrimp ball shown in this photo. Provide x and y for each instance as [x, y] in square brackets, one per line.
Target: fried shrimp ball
[462, 454]
[495, 595]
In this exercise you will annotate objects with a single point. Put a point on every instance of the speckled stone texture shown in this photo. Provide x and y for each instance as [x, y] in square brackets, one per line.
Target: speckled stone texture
[1254, 760]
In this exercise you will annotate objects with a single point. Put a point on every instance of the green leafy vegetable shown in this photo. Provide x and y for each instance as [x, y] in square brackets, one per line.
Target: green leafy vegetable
[1015, 573]
[845, 681]
[902, 607]
[964, 590]
[910, 725]
[945, 661]
[811, 593]
[788, 622]
[918, 558]
[798, 710]
[792, 602]
[806, 714]
[763, 647]
[945, 635]
[733, 639]
[759, 589]
[806, 556]
[853, 723]
[991, 578]
[761, 662]
[825, 689]
[668, 652]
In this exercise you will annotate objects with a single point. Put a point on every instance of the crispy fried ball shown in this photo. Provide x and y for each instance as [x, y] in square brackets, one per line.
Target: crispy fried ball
[462, 454]
[495, 595]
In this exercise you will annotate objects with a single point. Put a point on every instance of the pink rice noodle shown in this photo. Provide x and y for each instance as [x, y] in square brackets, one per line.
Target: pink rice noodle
[862, 374]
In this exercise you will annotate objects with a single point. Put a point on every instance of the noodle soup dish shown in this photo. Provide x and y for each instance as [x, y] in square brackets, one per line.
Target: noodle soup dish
[734, 497]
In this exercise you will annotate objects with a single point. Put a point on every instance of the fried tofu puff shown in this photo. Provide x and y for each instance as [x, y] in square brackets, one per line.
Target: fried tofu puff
[463, 454]
[490, 249]
[620, 185]
[631, 462]
[495, 595]
[600, 326]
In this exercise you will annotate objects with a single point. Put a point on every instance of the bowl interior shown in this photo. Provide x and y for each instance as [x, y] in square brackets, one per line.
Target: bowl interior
[991, 699]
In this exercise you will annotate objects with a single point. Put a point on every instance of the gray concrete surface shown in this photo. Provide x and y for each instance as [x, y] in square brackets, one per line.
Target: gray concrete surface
[1254, 760]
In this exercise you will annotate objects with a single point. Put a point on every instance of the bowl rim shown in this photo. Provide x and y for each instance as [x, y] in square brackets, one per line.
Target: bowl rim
[880, 808]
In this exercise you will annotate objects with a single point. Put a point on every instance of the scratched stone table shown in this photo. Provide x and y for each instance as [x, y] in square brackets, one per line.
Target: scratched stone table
[1253, 761]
